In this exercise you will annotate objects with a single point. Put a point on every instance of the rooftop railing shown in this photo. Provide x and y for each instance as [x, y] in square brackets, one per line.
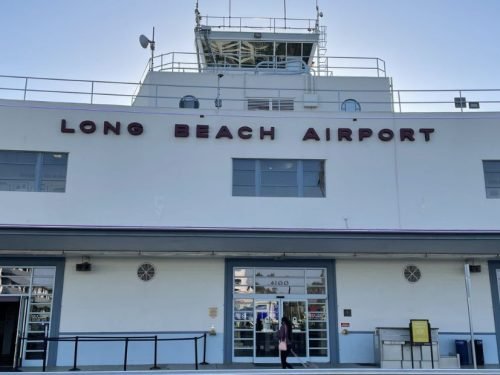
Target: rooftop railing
[187, 62]
[274, 25]
[125, 93]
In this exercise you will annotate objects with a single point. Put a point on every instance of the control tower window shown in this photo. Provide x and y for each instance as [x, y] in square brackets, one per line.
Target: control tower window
[289, 51]
[350, 105]
[189, 101]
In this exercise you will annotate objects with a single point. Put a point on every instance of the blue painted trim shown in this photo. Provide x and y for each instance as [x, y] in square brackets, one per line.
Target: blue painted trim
[59, 263]
[253, 262]
[493, 266]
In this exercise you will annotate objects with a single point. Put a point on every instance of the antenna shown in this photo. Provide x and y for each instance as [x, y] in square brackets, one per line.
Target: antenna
[197, 15]
[319, 15]
[144, 41]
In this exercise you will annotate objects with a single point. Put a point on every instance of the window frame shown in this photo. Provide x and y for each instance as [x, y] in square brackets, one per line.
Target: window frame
[40, 166]
[491, 167]
[262, 189]
[345, 107]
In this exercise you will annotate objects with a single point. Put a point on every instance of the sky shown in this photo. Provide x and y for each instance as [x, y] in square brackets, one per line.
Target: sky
[426, 44]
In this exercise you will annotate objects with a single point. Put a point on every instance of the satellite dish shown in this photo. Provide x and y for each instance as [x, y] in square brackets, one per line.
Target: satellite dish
[144, 41]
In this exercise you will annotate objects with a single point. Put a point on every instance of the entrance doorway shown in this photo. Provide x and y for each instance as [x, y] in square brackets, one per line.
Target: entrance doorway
[262, 296]
[268, 314]
[9, 315]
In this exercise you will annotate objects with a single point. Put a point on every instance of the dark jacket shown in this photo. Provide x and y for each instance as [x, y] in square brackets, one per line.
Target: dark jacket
[285, 334]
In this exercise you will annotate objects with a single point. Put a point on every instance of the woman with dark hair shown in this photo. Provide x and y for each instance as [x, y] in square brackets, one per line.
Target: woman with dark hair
[285, 338]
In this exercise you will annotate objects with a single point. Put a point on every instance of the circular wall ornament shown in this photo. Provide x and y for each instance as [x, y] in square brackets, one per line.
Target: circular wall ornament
[146, 271]
[412, 273]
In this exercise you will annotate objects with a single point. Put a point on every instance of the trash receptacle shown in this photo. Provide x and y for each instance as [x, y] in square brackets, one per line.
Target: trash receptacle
[478, 346]
[462, 348]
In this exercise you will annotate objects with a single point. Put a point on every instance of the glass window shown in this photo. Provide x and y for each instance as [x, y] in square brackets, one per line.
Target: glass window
[491, 170]
[350, 105]
[267, 104]
[279, 281]
[33, 171]
[278, 178]
[189, 101]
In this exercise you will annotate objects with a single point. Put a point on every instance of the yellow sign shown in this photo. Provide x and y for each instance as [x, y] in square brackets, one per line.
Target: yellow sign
[420, 331]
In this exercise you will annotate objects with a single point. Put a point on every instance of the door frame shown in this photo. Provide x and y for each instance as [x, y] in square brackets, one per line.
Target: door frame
[59, 264]
[14, 300]
[495, 296]
[328, 264]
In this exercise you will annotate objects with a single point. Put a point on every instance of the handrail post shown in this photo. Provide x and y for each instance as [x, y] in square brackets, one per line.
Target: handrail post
[25, 87]
[15, 365]
[196, 352]
[126, 354]
[44, 362]
[155, 364]
[75, 356]
[92, 93]
[204, 350]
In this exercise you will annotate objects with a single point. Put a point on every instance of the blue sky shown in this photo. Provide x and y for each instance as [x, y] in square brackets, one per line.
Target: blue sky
[427, 44]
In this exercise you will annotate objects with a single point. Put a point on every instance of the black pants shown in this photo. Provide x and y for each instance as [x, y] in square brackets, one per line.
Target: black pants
[283, 355]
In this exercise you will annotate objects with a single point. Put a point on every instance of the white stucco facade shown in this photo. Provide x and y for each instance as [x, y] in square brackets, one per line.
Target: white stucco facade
[153, 184]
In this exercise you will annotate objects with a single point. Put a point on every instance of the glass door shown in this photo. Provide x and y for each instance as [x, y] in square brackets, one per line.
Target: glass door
[267, 323]
[262, 296]
[296, 312]
[268, 314]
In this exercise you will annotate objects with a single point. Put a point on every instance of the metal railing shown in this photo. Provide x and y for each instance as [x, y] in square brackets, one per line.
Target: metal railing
[270, 24]
[187, 62]
[126, 93]
[77, 340]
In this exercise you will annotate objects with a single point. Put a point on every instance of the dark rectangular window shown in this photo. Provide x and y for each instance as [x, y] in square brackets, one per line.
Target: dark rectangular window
[491, 170]
[33, 171]
[278, 178]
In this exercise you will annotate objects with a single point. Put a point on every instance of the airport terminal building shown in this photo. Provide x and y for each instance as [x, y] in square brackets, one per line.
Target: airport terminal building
[244, 182]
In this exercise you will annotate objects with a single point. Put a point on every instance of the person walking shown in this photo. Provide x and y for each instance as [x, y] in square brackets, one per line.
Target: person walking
[285, 341]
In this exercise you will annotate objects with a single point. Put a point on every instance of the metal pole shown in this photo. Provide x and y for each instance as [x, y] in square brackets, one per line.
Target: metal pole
[25, 87]
[229, 13]
[44, 364]
[196, 352]
[284, 11]
[469, 312]
[126, 355]
[204, 350]
[155, 364]
[16, 351]
[75, 355]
